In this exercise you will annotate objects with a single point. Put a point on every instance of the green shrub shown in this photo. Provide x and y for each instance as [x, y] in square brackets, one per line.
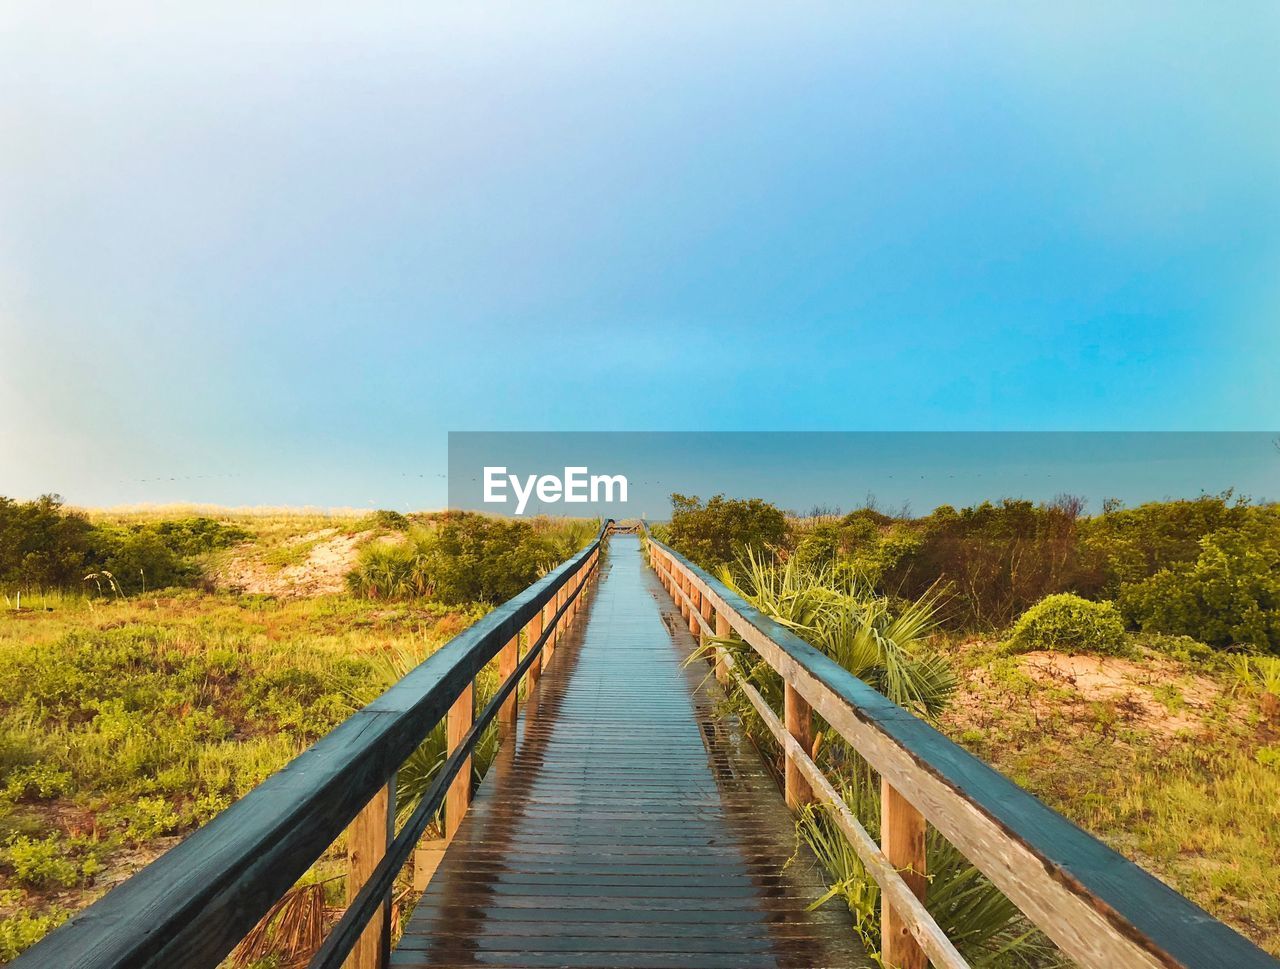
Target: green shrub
[1229, 595]
[41, 546]
[1184, 649]
[22, 930]
[467, 558]
[38, 782]
[1068, 622]
[386, 571]
[996, 558]
[196, 536]
[150, 817]
[860, 544]
[52, 862]
[391, 520]
[715, 534]
[1125, 545]
[138, 559]
[474, 558]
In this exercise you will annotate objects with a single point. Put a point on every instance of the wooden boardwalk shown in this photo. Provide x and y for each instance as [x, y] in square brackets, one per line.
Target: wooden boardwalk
[626, 826]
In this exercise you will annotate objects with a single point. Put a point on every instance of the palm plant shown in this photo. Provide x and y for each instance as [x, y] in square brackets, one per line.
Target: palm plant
[884, 643]
[565, 537]
[386, 570]
[1261, 675]
[418, 772]
[878, 641]
[987, 928]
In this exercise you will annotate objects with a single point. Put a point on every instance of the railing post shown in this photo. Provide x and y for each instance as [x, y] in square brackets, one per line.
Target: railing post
[799, 723]
[695, 611]
[508, 660]
[902, 838]
[457, 724]
[682, 585]
[549, 622]
[723, 630]
[707, 611]
[579, 578]
[367, 840]
[532, 633]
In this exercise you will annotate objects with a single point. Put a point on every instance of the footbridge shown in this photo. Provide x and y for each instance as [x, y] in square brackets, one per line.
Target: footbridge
[625, 821]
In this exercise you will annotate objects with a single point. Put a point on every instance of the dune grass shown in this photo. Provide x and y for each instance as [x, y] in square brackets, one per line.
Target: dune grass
[125, 724]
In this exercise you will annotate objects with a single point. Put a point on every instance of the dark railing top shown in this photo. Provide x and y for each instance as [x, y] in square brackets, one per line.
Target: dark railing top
[192, 905]
[1175, 930]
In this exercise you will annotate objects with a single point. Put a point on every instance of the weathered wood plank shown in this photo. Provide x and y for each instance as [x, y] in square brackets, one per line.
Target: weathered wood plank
[367, 841]
[902, 834]
[508, 659]
[798, 720]
[461, 716]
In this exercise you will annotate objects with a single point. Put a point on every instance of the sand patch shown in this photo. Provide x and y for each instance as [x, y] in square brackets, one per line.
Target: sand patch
[1152, 692]
[327, 556]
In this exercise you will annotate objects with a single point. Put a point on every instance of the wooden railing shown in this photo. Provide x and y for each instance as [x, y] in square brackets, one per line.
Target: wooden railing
[192, 905]
[1101, 909]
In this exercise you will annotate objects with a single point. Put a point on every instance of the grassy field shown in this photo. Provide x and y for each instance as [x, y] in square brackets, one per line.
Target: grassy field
[125, 723]
[1168, 758]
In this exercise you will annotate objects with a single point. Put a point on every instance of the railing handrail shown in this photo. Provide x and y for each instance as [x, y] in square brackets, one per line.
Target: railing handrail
[1100, 908]
[194, 903]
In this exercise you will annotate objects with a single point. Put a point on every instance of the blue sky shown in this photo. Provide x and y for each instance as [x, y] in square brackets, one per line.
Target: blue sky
[274, 253]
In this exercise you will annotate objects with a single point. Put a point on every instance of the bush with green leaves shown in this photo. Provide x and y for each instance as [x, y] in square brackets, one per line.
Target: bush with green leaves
[43, 546]
[390, 520]
[196, 535]
[463, 558]
[866, 544]
[137, 559]
[52, 862]
[1124, 545]
[1069, 623]
[715, 533]
[24, 929]
[1230, 594]
[996, 558]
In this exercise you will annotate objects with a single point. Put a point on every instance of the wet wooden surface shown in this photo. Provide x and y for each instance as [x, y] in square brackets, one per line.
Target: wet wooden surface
[626, 827]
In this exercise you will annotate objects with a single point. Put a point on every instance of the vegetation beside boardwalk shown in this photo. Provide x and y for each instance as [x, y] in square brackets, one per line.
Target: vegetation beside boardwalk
[128, 717]
[1119, 666]
[1207, 567]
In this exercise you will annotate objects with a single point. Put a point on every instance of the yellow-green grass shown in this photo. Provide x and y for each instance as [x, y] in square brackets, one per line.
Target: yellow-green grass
[126, 724]
[1195, 805]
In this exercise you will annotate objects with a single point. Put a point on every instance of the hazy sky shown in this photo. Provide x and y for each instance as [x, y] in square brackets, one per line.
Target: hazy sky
[274, 252]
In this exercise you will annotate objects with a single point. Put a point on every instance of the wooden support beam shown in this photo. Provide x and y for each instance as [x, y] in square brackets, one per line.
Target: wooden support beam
[707, 610]
[367, 840]
[548, 622]
[798, 719]
[723, 629]
[532, 633]
[457, 724]
[694, 612]
[508, 660]
[902, 839]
